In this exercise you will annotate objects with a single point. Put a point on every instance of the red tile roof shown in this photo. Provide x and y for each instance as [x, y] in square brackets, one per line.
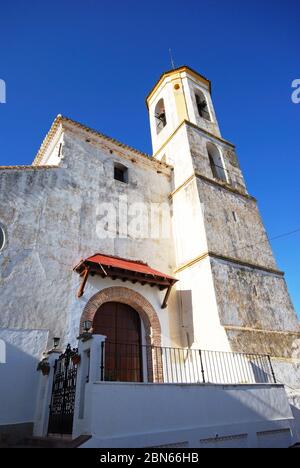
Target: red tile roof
[124, 264]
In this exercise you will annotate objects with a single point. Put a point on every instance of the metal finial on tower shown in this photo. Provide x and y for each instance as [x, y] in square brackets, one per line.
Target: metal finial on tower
[171, 58]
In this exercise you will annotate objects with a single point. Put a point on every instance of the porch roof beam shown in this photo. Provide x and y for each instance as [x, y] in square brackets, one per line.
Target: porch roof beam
[131, 276]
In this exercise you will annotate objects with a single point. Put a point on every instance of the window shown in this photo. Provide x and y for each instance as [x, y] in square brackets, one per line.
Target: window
[120, 173]
[2, 238]
[202, 106]
[216, 163]
[234, 216]
[160, 116]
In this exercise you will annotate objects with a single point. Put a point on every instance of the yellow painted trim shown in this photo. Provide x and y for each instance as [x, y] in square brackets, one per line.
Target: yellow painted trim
[47, 140]
[186, 182]
[192, 262]
[260, 330]
[180, 101]
[168, 139]
[236, 261]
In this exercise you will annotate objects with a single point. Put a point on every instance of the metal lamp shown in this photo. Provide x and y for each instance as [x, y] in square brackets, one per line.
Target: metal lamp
[87, 325]
[56, 341]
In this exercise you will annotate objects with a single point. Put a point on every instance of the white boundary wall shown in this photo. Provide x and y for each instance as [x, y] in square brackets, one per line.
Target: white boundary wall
[145, 415]
[190, 415]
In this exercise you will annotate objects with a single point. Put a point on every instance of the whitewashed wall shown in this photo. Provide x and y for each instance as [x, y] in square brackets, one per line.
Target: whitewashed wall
[52, 219]
[152, 415]
[18, 376]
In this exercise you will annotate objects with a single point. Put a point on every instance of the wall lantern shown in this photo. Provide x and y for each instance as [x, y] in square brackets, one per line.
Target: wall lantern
[87, 325]
[56, 341]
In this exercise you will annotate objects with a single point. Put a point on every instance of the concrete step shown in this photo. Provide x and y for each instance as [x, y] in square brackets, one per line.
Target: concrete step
[53, 442]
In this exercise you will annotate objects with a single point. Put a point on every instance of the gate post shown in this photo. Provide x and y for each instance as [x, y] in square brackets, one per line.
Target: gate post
[88, 372]
[40, 428]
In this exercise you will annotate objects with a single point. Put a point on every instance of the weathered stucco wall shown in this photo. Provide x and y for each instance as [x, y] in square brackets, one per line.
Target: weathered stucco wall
[252, 298]
[241, 236]
[52, 217]
[38, 208]
[197, 143]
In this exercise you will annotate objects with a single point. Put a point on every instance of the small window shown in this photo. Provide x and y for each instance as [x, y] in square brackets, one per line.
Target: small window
[2, 238]
[234, 216]
[216, 163]
[59, 150]
[202, 106]
[120, 173]
[160, 116]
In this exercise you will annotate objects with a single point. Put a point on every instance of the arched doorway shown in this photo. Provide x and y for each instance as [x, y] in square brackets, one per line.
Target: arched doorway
[121, 324]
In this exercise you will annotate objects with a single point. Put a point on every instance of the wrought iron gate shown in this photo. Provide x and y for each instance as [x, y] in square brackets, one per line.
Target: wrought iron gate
[63, 393]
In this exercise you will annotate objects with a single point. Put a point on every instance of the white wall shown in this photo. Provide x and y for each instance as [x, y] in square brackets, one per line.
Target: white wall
[145, 415]
[206, 332]
[18, 376]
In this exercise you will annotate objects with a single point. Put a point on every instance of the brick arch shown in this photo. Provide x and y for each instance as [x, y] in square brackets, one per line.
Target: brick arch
[132, 298]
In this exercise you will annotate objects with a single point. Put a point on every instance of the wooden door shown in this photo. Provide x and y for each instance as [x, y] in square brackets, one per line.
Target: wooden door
[122, 326]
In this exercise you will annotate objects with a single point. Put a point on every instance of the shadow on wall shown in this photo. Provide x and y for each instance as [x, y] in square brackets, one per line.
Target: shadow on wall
[260, 376]
[187, 324]
[296, 414]
[194, 416]
[18, 376]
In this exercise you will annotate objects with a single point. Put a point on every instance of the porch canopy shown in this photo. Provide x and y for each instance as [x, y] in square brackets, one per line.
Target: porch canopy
[124, 269]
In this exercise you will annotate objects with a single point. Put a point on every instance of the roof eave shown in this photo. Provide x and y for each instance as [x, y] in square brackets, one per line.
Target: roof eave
[176, 70]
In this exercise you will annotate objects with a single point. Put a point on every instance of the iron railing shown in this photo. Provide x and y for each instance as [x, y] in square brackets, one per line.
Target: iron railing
[135, 363]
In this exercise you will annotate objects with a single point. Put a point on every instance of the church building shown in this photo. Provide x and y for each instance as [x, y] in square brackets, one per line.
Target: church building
[144, 290]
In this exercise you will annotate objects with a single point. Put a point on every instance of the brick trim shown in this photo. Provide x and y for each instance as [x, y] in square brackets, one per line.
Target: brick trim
[132, 298]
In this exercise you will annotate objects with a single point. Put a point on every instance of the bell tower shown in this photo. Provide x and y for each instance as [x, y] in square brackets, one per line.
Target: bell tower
[232, 294]
[180, 95]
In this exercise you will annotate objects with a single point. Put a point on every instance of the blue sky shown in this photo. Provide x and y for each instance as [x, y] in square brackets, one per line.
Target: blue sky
[95, 61]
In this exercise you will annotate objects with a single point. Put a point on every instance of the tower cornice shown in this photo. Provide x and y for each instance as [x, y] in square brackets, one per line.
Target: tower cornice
[202, 130]
[236, 261]
[178, 70]
[223, 185]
